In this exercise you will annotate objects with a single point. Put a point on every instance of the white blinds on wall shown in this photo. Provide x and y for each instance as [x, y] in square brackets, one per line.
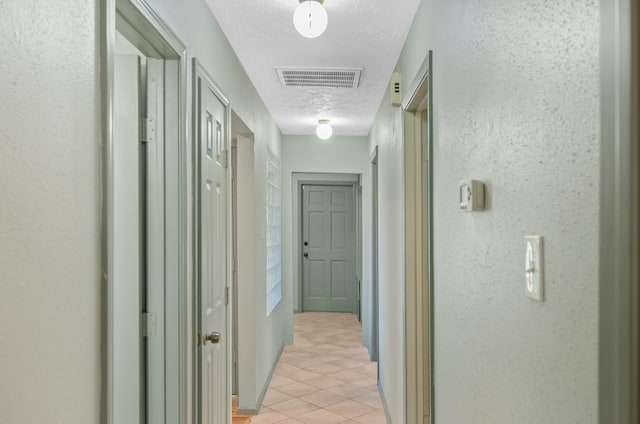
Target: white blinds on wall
[274, 234]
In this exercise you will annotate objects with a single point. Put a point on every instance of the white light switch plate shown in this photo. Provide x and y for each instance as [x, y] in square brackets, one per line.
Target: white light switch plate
[534, 268]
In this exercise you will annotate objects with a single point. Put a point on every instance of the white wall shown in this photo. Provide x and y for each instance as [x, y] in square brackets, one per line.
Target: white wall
[49, 213]
[337, 155]
[516, 105]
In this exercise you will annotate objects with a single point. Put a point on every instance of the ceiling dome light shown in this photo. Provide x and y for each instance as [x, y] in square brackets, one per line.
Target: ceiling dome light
[310, 18]
[324, 130]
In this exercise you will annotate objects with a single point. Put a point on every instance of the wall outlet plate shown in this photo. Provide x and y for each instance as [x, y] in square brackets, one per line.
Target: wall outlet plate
[534, 268]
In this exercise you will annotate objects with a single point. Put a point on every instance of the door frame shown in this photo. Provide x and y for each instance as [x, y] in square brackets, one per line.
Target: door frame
[298, 179]
[635, 211]
[156, 39]
[417, 107]
[201, 74]
[374, 347]
[244, 241]
[618, 301]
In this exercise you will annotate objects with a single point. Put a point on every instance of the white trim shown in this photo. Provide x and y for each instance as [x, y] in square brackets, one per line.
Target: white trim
[166, 45]
[418, 297]
[297, 180]
[615, 315]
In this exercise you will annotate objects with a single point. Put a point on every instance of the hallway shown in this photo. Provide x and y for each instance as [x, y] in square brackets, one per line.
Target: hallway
[325, 377]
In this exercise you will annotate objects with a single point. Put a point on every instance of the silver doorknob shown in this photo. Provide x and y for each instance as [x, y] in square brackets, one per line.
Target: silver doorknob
[212, 338]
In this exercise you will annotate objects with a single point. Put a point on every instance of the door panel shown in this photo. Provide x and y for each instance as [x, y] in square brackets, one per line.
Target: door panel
[339, 279]
[338, 230]
[328, 229]
[213, 271]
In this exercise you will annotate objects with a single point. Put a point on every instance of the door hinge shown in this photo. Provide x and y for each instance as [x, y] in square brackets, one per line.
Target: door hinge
[148, 324]
[227, 293]
[233, 264]
[149, 131]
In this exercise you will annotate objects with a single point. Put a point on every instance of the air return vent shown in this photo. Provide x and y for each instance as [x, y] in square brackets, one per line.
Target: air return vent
[320, 77]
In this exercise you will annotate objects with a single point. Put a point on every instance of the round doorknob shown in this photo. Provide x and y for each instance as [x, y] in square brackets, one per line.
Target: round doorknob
[212, 338]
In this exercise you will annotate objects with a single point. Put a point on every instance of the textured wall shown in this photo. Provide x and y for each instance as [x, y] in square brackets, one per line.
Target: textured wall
[49, 226]
[516, 89]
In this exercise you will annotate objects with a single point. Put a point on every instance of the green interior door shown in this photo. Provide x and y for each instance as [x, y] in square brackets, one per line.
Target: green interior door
[328, 248]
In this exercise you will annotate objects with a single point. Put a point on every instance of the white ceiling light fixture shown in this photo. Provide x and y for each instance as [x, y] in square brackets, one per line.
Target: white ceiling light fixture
[324, 130]
[310, 18]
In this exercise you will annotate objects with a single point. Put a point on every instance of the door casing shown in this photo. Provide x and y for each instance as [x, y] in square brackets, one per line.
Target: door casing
[297, 181]
[375, 325]
[348, 254]
[418, 289]
[618, 392]
[150, 34]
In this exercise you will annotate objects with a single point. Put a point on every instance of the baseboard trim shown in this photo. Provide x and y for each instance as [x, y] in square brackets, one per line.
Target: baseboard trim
[384, 404]
[263, 392]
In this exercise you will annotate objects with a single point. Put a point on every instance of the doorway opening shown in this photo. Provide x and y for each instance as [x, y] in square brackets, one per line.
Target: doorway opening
[244, 244]
[418, 294]
[325, 238]
[145, 228]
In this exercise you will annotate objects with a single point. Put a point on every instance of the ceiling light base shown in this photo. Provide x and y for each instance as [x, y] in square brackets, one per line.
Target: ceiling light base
[310, 19]
[324, 130]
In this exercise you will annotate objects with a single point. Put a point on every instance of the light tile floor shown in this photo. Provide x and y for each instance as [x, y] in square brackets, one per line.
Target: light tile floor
[325, 377]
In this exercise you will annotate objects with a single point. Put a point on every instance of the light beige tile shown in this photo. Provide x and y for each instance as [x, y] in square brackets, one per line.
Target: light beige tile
[298, 374]
[323, 382]
[280, 380]
[268, 416]
[297, 389]
[274, 396]
[317, 382]
[324, 369]
[375, 417]
[349, 390]
[371, 399]
[320, 416]
[347, 375]
[323, 398]
[349, 409]
[293, 407]
[345, 363]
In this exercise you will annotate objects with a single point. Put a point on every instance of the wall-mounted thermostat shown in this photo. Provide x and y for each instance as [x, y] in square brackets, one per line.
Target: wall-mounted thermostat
[471, 195]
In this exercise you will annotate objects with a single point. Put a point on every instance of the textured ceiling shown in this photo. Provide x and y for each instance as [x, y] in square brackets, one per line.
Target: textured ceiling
[365, 34]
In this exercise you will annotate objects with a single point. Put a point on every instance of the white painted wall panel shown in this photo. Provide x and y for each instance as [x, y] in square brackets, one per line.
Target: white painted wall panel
[49, 219]
[516, 91]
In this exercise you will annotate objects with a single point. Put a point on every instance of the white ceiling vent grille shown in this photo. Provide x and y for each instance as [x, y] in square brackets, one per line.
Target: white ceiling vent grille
[320, 77]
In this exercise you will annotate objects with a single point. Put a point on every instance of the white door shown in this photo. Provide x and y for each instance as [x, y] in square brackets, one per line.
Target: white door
[213, 272]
